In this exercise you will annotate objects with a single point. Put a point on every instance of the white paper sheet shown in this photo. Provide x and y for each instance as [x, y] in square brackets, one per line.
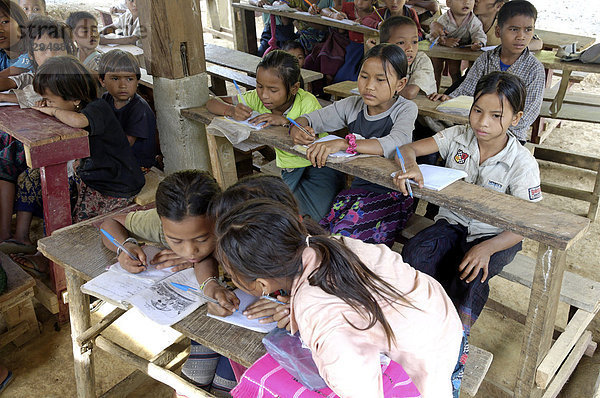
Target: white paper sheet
[344, 21]
[151, 273]
[437, 178]
[338, 154]
[115, 287]
[247, 121]
[237, 318]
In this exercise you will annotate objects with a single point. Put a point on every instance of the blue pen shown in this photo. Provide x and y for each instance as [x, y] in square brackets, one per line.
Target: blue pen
[300, 127]
[404, 171]
[264, 296]
[120, 246]
[191, 289]
[434, 42]
[240, 93]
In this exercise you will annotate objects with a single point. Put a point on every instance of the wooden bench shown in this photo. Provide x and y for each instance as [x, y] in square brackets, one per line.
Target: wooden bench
[16, 305]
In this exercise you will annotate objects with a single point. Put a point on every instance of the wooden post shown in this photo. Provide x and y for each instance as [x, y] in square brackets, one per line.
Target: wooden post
[244, 30]
[541, 317]
[79, 310]
[174, 55]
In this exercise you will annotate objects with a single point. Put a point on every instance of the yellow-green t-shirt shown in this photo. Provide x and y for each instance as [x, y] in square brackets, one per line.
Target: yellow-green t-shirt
[146, 225]
[304, 103]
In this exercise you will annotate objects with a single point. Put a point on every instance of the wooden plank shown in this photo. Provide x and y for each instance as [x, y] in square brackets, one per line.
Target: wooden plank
[57, 152]
[222, 160]
[533, 220]
[570, 158]
[541, 317]
[13, 333]
[244, 30]
[574, 193]
[573, 112]
[90, 334]
[230, 75]
[557, 39]
[478, 363]
[18, 281]
[46, 296]
[573, 98]
[562, 346]
[244, 62]
[569, 366]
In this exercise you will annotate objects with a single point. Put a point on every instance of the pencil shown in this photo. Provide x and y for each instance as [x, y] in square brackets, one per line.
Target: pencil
[378, 14]
[309, 3]
[240, 93]
[404, 171]
[300, 127]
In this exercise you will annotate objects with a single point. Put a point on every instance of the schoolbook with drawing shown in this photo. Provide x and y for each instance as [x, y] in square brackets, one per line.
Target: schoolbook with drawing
[437, 178]
[150, 291]
[237, 318]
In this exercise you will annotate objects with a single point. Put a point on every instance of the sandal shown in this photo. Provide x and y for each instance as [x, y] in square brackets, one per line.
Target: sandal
[6, 381]
[36, 266]
[10, 246]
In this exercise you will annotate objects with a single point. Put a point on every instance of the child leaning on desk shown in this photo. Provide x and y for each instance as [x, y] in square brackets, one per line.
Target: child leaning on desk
[516, 23]
[349, 300]
[457, 27]
[278, 95]
[378, 121]
[460, 252]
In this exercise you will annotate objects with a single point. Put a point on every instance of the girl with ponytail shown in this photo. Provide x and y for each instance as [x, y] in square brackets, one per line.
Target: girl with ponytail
[350, 300]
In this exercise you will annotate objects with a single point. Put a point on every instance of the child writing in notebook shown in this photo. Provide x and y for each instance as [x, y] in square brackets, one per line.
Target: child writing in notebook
[460, 252]
[516, 25]
[278, 95]
[378, 121]
[349, 300]
[85, 33]
[182, 224]
[457, 27]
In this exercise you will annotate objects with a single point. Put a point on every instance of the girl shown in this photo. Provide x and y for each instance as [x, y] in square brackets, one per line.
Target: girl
[379, 120]
[13, 57]
[350, 300]
[456, 248]
[277, 95]
[183, 225]
[46, 38]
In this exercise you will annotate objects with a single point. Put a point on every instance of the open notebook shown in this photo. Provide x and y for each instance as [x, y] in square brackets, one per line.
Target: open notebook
[437, 178]
[237, 318]
[460, 105]
[247, 121]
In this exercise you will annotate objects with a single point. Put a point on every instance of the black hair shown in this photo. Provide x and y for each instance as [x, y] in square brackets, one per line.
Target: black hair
[66, 77]
[41, 25]
[14, 11]
[42, 2]
[286, 67]
[115, 61]
[389, 54]
[262, 238]
[516, 7]
[292, 45]
[74, 18]
[185, 193]
[506, 86]
[387, 26]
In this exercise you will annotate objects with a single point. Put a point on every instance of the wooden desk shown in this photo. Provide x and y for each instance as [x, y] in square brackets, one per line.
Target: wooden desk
[49, 145]
[554, 230]
[245, 62]
[556, 39]
[138, 52]
[245, 26]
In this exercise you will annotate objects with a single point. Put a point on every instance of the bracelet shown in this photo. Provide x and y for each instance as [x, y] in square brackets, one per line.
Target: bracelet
[351, 138]
[128, 240]
[207, 281]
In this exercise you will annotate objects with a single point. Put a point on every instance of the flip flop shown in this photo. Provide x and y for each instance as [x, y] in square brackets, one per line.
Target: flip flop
[10, 246]
[30, 265]
[6, 381]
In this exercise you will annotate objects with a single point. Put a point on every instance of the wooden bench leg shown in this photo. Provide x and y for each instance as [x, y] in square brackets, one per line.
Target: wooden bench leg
[222, 160]
[560, 95]
[541, 316]
[79, 310]
[22, 312]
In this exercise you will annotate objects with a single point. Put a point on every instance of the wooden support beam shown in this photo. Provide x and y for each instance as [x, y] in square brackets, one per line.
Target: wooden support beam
[13, 333]
[156, 372]
[90, 334]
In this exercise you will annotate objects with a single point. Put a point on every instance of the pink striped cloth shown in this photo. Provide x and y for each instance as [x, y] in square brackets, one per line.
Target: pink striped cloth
[267, 379]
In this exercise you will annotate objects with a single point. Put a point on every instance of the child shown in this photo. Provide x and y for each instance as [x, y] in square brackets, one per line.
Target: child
[456, 248]
[119, 73]
[127, 26]
[391, 9]
[350, 300]
[432, 8]
[295, 48]
[356, 11]
[85, 31]
[516, 21]
[43, 33]
[13, 55]
[182, 224]
[33, 7]
[384, 120]
[458, 27]
[402, 31]
[277, 95]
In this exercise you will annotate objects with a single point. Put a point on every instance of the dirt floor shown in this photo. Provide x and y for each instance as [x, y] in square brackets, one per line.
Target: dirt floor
[44, 367]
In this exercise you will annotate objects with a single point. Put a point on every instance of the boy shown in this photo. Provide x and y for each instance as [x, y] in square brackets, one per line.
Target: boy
[33, 7]
[458, 27]
[119, 74]
[127, 26]
[295, 48]
[516, 23]
[85, 32]
[402, 31]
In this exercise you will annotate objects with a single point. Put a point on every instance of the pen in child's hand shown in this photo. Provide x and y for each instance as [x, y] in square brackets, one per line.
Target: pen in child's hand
[433, 43]
[266, 297]
[119, 245]
[309, 3]
[195, 291]
[300, 127]
[240, 93]
[404, 171]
